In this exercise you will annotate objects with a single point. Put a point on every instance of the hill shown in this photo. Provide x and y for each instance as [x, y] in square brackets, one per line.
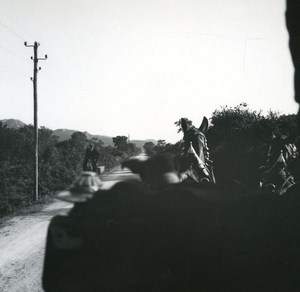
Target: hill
[13, 123]
[65, 134]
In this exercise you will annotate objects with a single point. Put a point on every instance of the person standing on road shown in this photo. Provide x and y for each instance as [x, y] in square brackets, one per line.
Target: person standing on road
[91, 157]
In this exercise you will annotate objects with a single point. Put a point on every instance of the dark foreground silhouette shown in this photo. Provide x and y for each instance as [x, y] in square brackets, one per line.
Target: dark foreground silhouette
[185, 237]
[282, 157]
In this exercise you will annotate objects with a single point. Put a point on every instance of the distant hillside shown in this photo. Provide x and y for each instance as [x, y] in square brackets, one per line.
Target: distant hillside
[65, 134]
[105, 139]
[13, 123]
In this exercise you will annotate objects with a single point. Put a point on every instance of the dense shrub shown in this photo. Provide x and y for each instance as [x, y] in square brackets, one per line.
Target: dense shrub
[59, 163]
[239, 139]
[162, 148]
[124, 149]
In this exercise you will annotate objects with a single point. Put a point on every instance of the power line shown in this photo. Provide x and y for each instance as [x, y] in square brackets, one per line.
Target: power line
[14, 70]
[16, 55]
[11, 31]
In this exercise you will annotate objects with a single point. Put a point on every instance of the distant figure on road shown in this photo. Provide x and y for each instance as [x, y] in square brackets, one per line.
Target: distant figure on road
[90, 159]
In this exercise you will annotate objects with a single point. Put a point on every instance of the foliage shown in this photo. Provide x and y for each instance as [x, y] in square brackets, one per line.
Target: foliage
[124, 149]
[174, 149]
[59, 163]
[162, 148]
[149, 148]
[178, 124]
[239, 139]
[120, 142]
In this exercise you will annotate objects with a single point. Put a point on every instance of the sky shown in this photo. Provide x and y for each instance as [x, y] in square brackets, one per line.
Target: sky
[134, 67]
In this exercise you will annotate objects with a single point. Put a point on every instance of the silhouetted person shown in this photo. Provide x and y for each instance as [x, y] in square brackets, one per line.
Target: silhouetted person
[90, 159]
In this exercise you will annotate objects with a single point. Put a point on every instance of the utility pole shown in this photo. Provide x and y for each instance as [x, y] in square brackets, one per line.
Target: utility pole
[35, 115]
[128, 142]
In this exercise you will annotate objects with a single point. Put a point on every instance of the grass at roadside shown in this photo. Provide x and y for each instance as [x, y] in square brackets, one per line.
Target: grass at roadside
[28, 209]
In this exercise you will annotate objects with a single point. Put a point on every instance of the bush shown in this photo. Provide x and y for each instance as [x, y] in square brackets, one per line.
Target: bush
[239, 139]
[59, 164]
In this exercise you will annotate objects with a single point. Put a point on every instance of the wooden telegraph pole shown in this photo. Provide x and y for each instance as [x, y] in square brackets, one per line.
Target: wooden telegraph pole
[35, 115]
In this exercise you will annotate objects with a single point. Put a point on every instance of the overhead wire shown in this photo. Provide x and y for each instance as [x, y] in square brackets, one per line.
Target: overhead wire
[14, 70]
[13, 32]
[16, 55]
[13, 53]
[18, 36]
[49, 76]
[54, 81]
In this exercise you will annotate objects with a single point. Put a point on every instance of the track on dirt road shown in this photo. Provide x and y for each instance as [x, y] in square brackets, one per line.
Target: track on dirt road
[22, 240]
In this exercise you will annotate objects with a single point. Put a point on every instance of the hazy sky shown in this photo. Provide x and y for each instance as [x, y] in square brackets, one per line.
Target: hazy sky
[119, 67]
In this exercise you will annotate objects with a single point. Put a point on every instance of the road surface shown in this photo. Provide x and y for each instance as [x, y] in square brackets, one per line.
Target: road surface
[22, 242]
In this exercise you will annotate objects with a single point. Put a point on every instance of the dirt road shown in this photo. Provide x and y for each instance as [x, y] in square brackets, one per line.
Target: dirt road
[22, 243]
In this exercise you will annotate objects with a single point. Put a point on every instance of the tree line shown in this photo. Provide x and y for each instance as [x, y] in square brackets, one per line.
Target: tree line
[238, 138]
[59, 162]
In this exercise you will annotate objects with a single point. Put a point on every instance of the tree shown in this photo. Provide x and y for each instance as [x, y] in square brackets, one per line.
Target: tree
[79, 138]
[71, 155]
[120, 142]
[149, 148]
[124, 149]
[167, 148]
[59, 163]
[239, 139]
[160, 146]
[178, 124]
[47, 142]
[133, 150]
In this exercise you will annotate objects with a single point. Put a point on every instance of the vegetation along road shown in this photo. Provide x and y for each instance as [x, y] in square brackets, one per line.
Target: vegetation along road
[22, 242]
